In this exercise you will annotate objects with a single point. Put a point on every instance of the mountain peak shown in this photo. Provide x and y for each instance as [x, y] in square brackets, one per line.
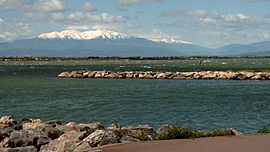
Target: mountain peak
[172, 41]
[86, 35]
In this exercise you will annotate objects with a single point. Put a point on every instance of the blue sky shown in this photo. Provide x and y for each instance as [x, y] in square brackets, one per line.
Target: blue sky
[210, 23]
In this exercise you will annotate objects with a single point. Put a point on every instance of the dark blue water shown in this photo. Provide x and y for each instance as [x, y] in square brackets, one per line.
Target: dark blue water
[33, 91]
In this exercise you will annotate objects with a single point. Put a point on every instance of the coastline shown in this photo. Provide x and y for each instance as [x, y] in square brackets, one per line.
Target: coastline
[35, 135]
[205, 75]
[245, 143]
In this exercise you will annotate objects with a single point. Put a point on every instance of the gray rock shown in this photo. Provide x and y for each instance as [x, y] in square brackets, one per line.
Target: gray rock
[5, 131]
[53, 123]
[67, 142]
[234, 132]
[82, 146]
[19, 125]
[5, 142]
[163, 129]
[102, 137]
[51, 132]
[21, 139]
[141, 132]
[8, 120]
[19, 149]
[25, 138]
[128, 139]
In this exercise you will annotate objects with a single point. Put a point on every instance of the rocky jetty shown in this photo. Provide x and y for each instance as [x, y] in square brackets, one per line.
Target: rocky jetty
[32, 135]
[167, 75]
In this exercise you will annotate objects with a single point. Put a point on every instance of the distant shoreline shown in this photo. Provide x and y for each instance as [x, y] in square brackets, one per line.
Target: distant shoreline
[30, 58]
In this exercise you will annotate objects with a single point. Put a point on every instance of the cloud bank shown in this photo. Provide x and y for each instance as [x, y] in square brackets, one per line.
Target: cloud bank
[33, 5]
[131, 2]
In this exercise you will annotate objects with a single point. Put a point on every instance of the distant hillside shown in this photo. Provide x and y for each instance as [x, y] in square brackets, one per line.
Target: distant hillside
[253, 49]
[103, 43]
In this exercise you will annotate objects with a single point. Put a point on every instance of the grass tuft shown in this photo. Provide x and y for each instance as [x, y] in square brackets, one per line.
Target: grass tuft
[263, 130]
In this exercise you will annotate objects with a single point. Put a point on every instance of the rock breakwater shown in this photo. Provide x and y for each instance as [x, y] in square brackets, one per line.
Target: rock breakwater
[167, 75]
[32, 135]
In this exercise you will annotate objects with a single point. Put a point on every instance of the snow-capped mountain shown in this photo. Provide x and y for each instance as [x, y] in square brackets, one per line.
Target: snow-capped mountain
[86, 35]
[172, 41]
[74, 43]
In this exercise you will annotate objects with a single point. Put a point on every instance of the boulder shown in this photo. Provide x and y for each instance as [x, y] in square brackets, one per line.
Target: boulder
[128, 139]
[6, 132]
[51, 132]
[234, 132]
[67, 142]
[25, 138]
[161, 76]
[257, 76]
[141, 76]
[209, 76]
[187, 74]
[140, 132]
[19, 149]
[93, 126]
[241, 76]
[197, 76]
[164, 128]
[8, 120]
[91, 74]
[85, 74]
[232, 75]
[4, 126]
[82, 146]
[19, 125]
[53, 123]
[114, 127]
[129, 75]
[78, 75]
[248, 74]
[31, 125]
[102, 137]
[21, 139]
[5, 142]
[63, 75]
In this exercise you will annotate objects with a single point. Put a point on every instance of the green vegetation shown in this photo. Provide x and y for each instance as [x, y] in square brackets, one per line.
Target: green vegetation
[263, 130]
[142, 136]
[180, 132]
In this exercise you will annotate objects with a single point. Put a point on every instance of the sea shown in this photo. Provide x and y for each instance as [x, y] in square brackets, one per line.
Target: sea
[30, 89]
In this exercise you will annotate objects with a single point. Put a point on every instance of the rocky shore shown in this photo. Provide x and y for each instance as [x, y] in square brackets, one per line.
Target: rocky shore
[31, 135]
[167, 75]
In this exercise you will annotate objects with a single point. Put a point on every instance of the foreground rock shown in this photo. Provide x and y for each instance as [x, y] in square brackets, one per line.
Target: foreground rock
[30, 135]
[167, 75]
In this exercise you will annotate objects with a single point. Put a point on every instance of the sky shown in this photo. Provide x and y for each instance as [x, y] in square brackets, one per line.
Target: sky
[209, 23]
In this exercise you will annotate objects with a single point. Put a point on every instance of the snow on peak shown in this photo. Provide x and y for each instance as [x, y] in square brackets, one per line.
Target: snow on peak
[86, 35]
[172, 41]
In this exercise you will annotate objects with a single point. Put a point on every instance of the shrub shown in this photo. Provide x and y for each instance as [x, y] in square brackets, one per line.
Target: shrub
[177, 132]
[263, 130]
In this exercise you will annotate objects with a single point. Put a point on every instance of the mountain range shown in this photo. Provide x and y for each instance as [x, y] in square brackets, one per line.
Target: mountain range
[71, 43]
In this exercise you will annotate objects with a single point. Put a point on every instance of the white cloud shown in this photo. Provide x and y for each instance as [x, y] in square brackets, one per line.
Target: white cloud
[33, 5]
[58, 16]
[14, 31]
[156, 35]
[89, 6]
[201, 13]
[1, 21]
[131, 2]
[211, 19]
[79, 16]
[79, 27]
